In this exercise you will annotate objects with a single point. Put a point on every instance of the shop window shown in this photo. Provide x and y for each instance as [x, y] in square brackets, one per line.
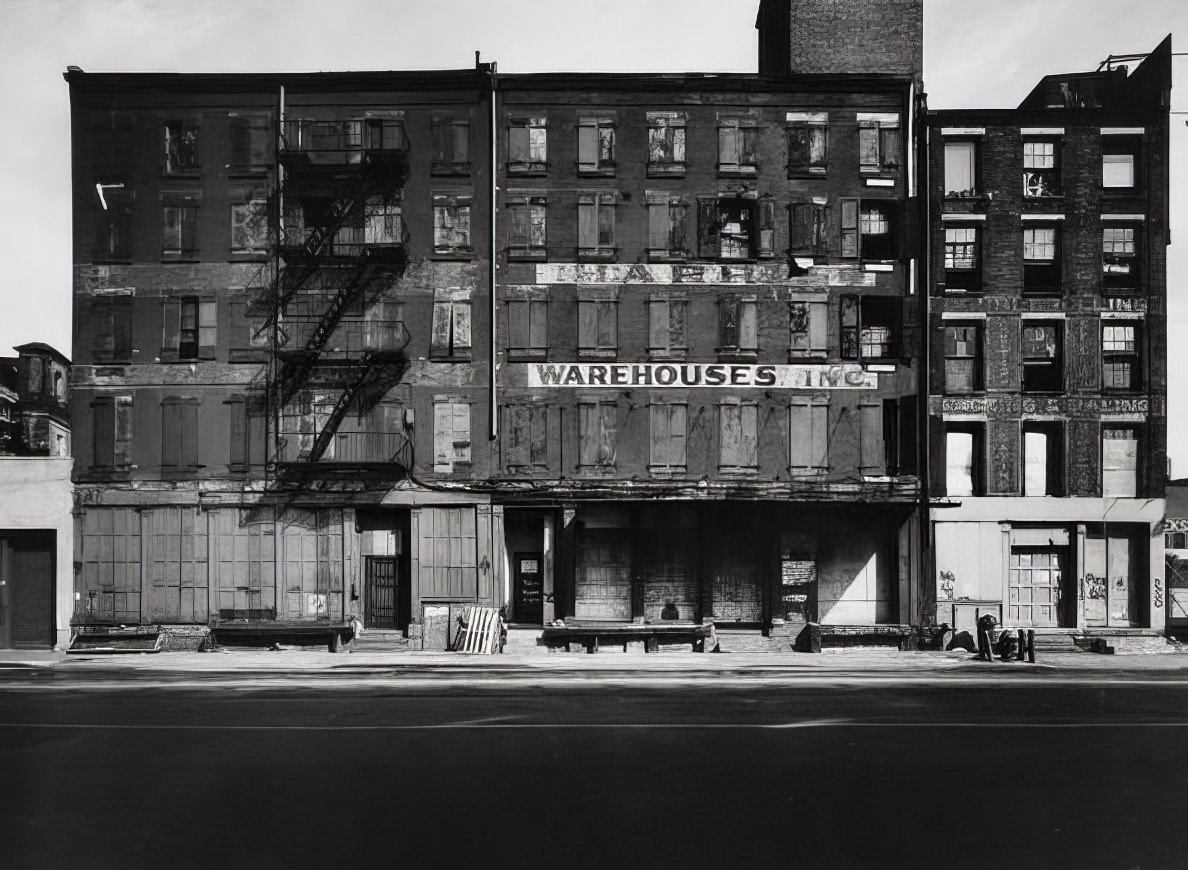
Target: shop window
[735, 228]
[1120, 261]
[963, 462]
[1119, 462]
[597, 434]
[527, 146]
[1041, 260]
[667, 319]
[526, 438]
[808, 439]
[189, 329]
[808, 328]
[668, 437]
[179, 434]
[451, 326]
[807, 148]
[737, 141]
[112, 335]
[738, 425]
[1043, 459]
[251, 142]
[666, 143]
[1043, 358]
[868, 229]
[598, 328]
[668, 217]
[451, 145]
[528, 329]
[1121, 366]
[181, 147]
[963, 261]
[451, 224]
[1041, 168]
[249, 227]
[963, 358]
[1119, 163]
[738, 333]
[596, 226]
[962, 169]
[879, 144]
[112, 421]
[527, 228]
[807, 222]
[451, 435]
[870, 327]
[180, 231]
[596, 146]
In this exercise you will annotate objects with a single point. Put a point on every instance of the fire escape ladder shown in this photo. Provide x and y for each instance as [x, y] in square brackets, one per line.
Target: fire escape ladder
[340, 407]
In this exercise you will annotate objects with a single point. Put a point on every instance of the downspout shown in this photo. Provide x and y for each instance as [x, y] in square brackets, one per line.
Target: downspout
[271, 425]
[493, 266]
[924, 439]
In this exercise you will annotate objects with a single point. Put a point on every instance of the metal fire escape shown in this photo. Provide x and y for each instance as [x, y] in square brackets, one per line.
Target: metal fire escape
[342, 244]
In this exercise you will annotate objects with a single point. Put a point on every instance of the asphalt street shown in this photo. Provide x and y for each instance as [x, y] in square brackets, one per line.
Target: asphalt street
[761, 769]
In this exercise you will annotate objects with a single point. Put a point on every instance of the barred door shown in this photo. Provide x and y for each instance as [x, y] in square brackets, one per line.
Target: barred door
[382, 606]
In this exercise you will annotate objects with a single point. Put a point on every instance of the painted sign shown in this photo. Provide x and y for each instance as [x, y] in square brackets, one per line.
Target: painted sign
[847, 376]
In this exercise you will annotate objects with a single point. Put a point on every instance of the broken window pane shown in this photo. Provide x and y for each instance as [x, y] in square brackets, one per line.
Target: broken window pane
[451, 224]
[181, 146]
[806, 147]
[527, 145]
[249, 227]
[666, 143]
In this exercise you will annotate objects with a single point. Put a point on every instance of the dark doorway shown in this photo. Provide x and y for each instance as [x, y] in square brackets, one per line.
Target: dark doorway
[27, 590]
[382, 606]
[529, 587]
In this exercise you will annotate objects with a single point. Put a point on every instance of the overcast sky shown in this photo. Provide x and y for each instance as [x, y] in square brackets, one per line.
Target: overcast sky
[976, 54]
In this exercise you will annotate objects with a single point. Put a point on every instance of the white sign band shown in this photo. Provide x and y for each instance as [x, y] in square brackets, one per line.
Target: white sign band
[842, 376]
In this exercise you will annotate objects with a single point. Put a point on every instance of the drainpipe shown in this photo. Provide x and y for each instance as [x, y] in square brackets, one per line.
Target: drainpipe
[493, 267]
[271, 425]
[923, 441]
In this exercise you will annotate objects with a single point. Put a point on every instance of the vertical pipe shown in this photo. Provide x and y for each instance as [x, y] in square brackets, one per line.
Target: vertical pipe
[924, 437]
[272, 426]
[492, 266]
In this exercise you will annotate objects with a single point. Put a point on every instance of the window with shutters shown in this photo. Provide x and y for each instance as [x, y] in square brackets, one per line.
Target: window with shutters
[1043, 357]
[113, 226]
[527, 146]
[808, 439]
[962, 169]
[871, 327]
[666, 144]
[808, 328]
[112, 420]
[181, 147]
[668, 438]
[963, 358]
[1119, 462]
[249, 227]
[596, 146]
[1043, 462]
[596, 226]
[963, 459]
[451, 325]
[868, 229]
[189, 329]
[252, 138]
[738, 436]
[1041, 168]
[807, 146]
[111, 322]
[807, 235]
[1121, 366]
[738, 332]
[668, 216]
[963, 260]
[1120, 163]
[527, 329]
[249, 336]
[667, 330]
[237, 429]
[525, 439]
[880, 144]
[736, 228]
[1041, 260]
[451, 145]
[1121, 245]
[527, 228]
[451, 435]
[598, 432]
[451, 224]
[179, 434]
[179, 231]
[738, 140]
[598, 327]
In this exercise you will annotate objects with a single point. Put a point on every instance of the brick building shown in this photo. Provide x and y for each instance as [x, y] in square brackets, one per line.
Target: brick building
[1048, 231]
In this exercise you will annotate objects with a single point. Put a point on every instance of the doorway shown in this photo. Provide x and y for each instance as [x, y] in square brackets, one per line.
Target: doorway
[382, 591]
[27, 590]
[1035, 590]
[528, 589]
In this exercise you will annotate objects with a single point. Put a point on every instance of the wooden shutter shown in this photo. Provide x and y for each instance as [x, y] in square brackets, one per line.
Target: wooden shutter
[208, 320]
[237, 413]
[708, 227]
[728, 146]
[518, 324]
[728, 328]
[188, 426]
[587, 324]
[766, 211]
[658, 334]
[587, 146]
[891, 146]
[608, 323]
[517, 142]
[748, 331]
[170, 328]
[907, 435]
[800, 228]
[461, 431]
[538, 323]
[749, 430]
[587, 434]
[537, 447]
[678, 215]
[849, 228]
[443, 140]
[588, 225]
[103, 417]
[241, 142]
[189, 238]
[170, 435]
[818, 327]
[442, 322]
[461, 325]
[443, 436]
[658, 226]
[676, 434]
[122, 451]
[808, 443]
[730, 434]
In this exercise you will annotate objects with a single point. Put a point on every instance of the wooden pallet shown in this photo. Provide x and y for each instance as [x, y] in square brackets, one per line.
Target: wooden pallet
[480, 632]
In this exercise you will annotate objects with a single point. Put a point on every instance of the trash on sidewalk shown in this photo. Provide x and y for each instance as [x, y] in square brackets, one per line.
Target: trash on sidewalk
[480, 630]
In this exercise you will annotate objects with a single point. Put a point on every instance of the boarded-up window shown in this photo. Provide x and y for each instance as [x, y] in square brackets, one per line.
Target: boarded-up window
[180, 230]
[112, 419]
[525, 438]
[667, 226]
[451, 435]
[961, 457]
[383, 222]
[181, 147]
[596, 146]
[807, 148]
[527, 227]
[737, 141]
[596, 225]
[1119, 462]
[237, 420]
[451, 327]
[879, 145]
[179, 433]
[451, 145]
[806, 228]
[738, 425]
[808, 438]
[112, 331]
[808, 328]
[849, 228]
[528, 328]
[527, 145]
[597, 327]
[597, 434]
[668, 436]
[666, 143]
[448, 552]
[249, 227]
[963, 358]
[737, 325]
[667, 326]
[451, 224]
[252, 138]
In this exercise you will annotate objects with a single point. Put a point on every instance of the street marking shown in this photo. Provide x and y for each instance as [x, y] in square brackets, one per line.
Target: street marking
[591, 726]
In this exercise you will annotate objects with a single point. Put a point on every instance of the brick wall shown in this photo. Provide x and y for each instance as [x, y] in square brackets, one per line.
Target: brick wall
[840, 36]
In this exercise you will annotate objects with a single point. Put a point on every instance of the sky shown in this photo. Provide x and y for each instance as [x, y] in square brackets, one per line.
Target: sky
[976, 54]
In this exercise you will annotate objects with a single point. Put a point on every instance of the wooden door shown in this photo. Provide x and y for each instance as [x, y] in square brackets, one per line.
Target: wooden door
[382, 593]
[1035, 587]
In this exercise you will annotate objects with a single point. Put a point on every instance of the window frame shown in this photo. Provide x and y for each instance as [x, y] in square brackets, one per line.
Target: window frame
[815, 136]
[742, 136]
[452, 217]
[1114, 351]
[176, 450]
[1116, 281]
[1039, 178]
[605, 455]
[597, 214]
[522, 211]
[604, 132]
[662, 308]
[459, 454]
[1122, 146]
[977, 472]
[253, 209]
[1043, 276]
[458, 162]
[738, 327]
[668, 131]
[601, 314]
[120, 453]
[662, 452]
[885, 145]
[1055, 363]
[1054, 451]
[535, 328]
[186, 223]
[528, 455]
[1135, 484]
[535, 150]
[674, 211]
[748, 417]
[974, 146]
[963, 279]
[854, 341]
[451, 332]
[182, 158]
[814, 314]
[952, 354]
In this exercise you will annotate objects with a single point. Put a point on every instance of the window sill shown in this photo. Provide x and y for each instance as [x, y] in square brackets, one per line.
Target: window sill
[736, 356]
[248, 257]
[666, 257]
[600, 172]
[596, 256]
[449, 357]
[527, 355]
[191, 257]
[738, 471]
[668, 355]
[527, 169]
[954, 198]
[458, 254]
[657, 170]
[247, 171]
[807, 171]
[807, 356]
[182, 175]
[247, 355]
[527, 256]
[111, 261]
[668, 471]
[738, 172]
[455, 169]
[598, 354]
[1051, 197]
[807, 473]
[601, 471]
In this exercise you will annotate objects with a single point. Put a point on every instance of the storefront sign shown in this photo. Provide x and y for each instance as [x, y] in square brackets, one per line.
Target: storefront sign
[780, 377]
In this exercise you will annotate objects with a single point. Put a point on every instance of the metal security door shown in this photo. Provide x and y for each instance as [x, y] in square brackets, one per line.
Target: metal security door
[1035, 587]
[382, 607]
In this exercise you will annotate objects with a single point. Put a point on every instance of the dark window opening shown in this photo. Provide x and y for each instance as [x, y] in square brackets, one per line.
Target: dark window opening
[1121, 247]
[1041, 260]
[807, 149]
[1043, 358]
[870, 327]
